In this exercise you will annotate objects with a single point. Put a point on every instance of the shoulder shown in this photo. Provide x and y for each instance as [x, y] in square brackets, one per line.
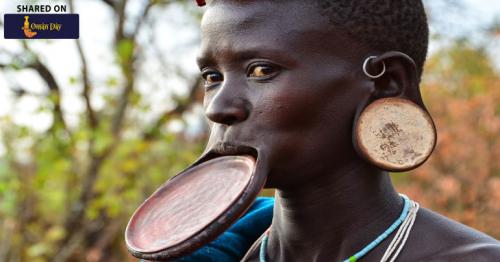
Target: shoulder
[437, 238]
[470, 252]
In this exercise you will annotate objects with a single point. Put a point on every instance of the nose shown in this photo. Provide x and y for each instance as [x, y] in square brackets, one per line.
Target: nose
[227, 108]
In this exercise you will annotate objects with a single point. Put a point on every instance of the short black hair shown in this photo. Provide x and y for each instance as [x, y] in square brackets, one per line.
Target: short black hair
[384, 25]
[381, 25]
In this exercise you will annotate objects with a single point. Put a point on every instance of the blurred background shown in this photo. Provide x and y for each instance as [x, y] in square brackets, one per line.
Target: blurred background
[90, 127]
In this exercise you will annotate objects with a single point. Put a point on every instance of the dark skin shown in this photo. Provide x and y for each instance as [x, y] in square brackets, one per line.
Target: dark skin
[281, 79]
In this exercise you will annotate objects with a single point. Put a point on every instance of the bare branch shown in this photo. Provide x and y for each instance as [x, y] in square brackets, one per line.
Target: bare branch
[194, 93]
[110, 3]
[120, 29]
[91, 115]
[76, 217]
[128, 68]
[54, 88]
[87, 88]
[108, 233]
[143, 17]
[128, 71]
[67, 250]
[123, 102]
[46, 75]
[74, 222]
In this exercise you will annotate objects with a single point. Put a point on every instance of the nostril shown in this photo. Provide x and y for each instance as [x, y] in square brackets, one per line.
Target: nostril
[228, 116]
[230, 120]
[235, 113]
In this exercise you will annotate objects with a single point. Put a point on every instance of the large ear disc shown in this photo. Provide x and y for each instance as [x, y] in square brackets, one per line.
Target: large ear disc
[394, 134]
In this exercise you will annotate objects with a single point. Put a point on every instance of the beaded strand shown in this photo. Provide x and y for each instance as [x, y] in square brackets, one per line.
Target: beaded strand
[407, 218]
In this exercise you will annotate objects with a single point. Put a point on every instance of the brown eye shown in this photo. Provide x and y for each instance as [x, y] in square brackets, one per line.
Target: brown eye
[212, 77]
[262, 71]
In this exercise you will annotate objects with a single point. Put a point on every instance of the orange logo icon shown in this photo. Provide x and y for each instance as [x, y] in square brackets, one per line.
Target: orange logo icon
[26, 28]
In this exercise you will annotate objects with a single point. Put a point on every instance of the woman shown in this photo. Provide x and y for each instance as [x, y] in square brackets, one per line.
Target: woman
[290, 79]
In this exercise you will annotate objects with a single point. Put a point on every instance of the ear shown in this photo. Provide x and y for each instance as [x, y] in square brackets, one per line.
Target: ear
[399, 80]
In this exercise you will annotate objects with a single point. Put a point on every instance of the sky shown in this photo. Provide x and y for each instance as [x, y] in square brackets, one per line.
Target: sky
[177, 35]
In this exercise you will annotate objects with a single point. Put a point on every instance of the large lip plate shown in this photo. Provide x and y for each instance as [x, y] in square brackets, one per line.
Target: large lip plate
[208, 232]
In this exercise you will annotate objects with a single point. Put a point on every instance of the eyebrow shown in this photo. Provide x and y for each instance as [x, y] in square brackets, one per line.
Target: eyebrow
[210, 59]
[204, 61]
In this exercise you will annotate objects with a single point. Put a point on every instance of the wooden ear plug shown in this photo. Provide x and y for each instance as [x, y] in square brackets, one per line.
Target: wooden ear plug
[395, 134]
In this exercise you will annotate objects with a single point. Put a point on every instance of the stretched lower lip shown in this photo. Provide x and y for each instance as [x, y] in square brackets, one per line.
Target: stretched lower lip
[179, 222]
[225, 149]
[227, 198]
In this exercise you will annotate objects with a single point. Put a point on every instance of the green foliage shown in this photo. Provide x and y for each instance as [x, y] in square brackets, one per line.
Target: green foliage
[67, 189]
[466, 68]
[125, 51]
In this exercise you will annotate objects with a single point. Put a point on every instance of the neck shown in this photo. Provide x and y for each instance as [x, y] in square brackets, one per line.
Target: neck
[333, 217]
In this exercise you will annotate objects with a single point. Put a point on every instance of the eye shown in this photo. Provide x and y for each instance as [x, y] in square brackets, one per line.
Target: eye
[265, 71]
[212, 77]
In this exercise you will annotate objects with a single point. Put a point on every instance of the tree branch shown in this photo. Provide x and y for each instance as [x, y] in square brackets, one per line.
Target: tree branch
[143, 17]
[54, 88]
[49, 79]
[118, 118]
[128, 71]
[67, 250]
[110, 3]
[120, 29]
[87, 88]
[74, 222]
[194, 93]
[105, 237]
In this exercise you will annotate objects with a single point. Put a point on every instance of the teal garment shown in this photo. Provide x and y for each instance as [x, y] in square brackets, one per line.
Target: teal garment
[233, 244]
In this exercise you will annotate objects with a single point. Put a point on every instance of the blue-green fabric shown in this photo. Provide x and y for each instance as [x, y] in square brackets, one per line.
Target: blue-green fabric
[233, 244]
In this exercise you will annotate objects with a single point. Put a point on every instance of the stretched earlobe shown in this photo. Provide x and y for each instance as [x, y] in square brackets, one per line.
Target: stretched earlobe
[393, 130]
[394, 134]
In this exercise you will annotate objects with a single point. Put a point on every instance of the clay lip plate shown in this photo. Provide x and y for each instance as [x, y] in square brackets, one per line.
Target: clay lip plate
[188, 203]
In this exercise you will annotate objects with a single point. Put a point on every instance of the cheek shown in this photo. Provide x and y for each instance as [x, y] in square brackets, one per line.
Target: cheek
[309, 119]
[300, 106]
[285, 111]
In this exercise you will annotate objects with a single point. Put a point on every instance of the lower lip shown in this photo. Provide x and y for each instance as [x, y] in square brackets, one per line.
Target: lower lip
[187, 206]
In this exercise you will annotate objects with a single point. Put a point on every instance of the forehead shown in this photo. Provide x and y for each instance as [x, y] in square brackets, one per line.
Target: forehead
[290, 25]
[252, 13]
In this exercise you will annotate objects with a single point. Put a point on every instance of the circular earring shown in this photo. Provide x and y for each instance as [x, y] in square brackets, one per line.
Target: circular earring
[366, 71]
[394, 133]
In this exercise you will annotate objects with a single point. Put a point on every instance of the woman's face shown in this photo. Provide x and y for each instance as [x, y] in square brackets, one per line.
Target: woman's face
[281, 80]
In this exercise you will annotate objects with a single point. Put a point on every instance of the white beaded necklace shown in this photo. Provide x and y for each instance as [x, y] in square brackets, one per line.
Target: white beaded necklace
[394, 247]
[402, 235]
